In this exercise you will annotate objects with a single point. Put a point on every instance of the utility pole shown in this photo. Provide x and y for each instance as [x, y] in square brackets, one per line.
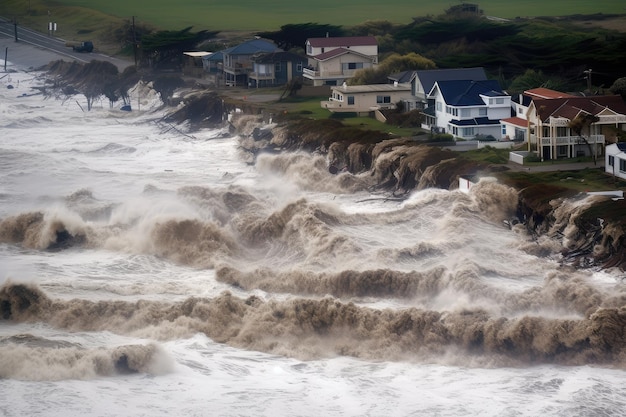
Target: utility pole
[588, 72]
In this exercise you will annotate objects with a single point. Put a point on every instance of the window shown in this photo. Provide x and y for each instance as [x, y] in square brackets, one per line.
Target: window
[277, 67]
[351, 66]
[561, 150]
[350, 100]
[499, 101]
[611, 160]
[262, 69]
[520, 110]
[622, 165]
[439, 106]
[466, 112]
[468, 131]
[383, 99]
[503, 130]
[299, 67]
[482, 111]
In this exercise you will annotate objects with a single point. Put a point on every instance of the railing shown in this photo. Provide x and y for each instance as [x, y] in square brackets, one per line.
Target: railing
[318, 74]
[570, 140]
[238, 69]
[257, 76]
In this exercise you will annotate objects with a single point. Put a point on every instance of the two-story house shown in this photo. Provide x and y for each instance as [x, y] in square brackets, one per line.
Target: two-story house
[237, 61]
[551, 136]
[469, 109]
[275, 68]
[516, 127]
[332, 61]
[422, 81]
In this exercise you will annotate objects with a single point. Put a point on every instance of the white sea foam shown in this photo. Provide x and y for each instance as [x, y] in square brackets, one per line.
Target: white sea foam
[151, 202]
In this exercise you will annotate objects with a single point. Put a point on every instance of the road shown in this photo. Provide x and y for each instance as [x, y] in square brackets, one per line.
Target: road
[44, 49]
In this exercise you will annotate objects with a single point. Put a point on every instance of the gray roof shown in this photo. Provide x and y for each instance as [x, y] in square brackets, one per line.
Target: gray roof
[429, 77]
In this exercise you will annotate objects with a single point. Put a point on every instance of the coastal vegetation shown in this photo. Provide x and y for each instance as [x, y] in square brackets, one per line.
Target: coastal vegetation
[252, 15]
[521, 53]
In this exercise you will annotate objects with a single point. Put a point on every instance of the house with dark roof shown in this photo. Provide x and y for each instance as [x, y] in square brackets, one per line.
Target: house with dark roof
[237, 60]
[468, 109]
[422, 82]
[332, 61]
[275, 68]
[549, 120]
[615, 160]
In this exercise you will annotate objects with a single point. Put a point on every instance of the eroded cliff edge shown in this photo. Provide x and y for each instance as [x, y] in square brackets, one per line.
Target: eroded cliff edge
[590, 230]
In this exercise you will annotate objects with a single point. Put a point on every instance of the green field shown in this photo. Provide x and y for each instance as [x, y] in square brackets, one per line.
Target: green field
[254, 15]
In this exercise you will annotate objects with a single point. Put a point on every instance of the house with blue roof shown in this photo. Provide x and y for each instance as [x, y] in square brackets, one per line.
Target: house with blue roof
[236, 62]
[468, 109]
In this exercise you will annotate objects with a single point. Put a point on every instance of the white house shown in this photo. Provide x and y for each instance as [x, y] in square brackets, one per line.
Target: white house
[615, 160]
[363, 99]
[468, 109]
[332, 61]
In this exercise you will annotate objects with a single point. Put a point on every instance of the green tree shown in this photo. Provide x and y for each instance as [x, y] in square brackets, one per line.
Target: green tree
[535, 79]
[295, 35]
[619, 87]
[394, 63]
[164, 49]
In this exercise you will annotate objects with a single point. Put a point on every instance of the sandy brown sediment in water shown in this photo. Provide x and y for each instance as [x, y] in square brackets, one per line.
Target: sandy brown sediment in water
[314, 328]
[25, 357]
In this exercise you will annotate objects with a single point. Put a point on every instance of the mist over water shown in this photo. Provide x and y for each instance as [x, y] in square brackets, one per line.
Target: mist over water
[183, 274]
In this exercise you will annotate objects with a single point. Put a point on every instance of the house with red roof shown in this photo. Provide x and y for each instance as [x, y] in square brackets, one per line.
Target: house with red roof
[549, 121]
[332, 61]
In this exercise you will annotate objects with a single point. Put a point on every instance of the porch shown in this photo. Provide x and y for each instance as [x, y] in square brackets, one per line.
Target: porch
[568, 146]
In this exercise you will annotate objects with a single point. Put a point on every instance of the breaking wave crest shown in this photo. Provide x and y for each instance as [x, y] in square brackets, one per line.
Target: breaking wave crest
[53, 230]
[26, 357]
[311, 172]
[314, 328]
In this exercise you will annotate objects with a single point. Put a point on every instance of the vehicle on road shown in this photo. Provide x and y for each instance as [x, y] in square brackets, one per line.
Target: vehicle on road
[86, 46]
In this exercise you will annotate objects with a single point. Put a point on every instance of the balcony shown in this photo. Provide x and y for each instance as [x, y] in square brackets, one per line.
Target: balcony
[260, 76]
[238, 69]
[568, 140]
[314, 74]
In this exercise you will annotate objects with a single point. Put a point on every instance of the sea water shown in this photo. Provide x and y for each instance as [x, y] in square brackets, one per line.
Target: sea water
[149, 269]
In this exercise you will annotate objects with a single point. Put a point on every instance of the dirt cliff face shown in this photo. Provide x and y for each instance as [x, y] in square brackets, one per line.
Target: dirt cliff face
[592, 234]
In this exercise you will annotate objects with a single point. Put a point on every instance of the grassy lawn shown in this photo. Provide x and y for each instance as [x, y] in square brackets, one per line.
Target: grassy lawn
[254, 15]
[310, 107]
